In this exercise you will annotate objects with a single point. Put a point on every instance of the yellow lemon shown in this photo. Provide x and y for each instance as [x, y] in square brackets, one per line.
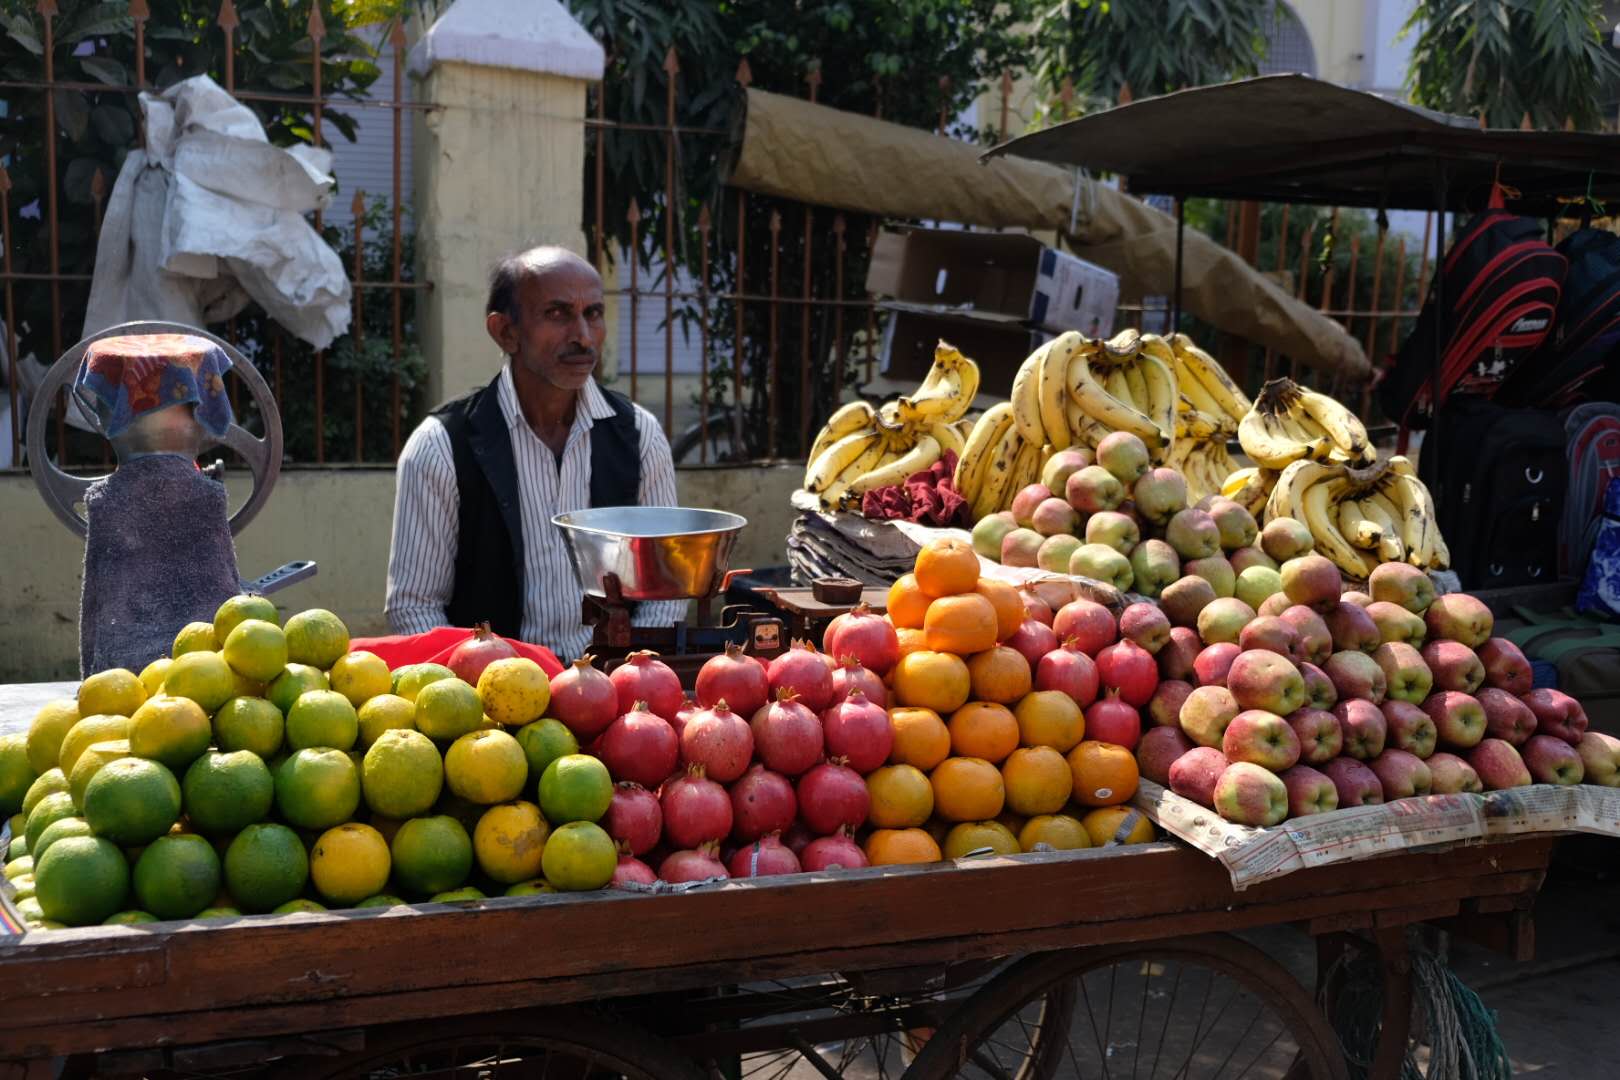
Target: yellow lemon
[510, 842]
[486, 767]
[349, 863]
[53, 721]
[111, 693]
[360, 676]
[515, 691]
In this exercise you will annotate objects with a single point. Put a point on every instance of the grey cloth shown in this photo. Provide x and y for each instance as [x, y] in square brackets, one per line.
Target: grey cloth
[158, 555]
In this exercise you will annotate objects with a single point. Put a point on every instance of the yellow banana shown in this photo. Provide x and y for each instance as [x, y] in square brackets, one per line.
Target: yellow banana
[981, 443]
[1110, 411]
[948, 439]
[875, 456]
[1362, 531]
[1267, 441]
[1026, 469]
[1211, 376]
[1122, 347]
[947, 392]
[995, 488]
[1137, 382]
[826, 468]
[1378, 509]
[1160, 380]
[1052, 390]
[923, 453]
[845, 420]
[1026, 397]
[1194, 423]
[1339, 423]
[1321, 520]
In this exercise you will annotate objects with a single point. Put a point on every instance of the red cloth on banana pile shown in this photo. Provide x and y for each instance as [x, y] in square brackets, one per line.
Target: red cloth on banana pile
[928, 497]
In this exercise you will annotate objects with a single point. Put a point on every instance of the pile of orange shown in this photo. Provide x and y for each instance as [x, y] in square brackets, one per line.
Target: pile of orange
[981, 761]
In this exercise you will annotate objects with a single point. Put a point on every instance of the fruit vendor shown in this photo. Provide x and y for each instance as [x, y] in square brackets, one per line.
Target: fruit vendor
[481, 477]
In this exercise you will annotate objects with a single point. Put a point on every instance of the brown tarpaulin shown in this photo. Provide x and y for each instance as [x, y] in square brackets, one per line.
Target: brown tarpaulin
[794, 149]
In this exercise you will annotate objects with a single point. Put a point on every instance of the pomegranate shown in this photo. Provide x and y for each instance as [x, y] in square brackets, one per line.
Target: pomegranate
[698, 864]
[764, 857]
[720, 741]
[762, 802]
[644, 677]
[634, 819]
[632, 870]
[584, 699]
[851, 673]
[830, 795]
[696, 809]
[787, 735]
[803, 670]
[1127, 667]
[1111, 720]
[469, 659]
[1069, 669]
[1035, 608]
[836, 852]
[797, 837]
[1034, 640]
[1087, 621]
[868, 637]
[858, 730]
[640, 747]
[689, 708]
[735, 677]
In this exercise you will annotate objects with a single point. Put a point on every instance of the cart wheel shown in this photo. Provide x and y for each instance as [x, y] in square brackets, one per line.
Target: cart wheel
[1209, 1006]
[559, 1044]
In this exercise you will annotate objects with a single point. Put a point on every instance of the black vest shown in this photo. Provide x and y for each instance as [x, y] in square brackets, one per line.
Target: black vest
[489, 550]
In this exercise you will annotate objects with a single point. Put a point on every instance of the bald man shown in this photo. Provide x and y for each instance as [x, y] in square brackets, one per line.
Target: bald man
[481, 477]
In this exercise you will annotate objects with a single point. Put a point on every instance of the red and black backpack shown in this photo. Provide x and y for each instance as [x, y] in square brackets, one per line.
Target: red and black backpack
[1501, 283]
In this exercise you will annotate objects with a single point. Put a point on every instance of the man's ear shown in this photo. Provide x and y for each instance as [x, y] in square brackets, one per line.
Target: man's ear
[501, 330]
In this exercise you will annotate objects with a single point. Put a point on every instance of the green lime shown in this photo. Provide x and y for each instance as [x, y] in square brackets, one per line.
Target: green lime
[381, 900]
[544, 741]
[293, 682]
[195, 637]
[224, 911]
[316, 637]
[385, 712]
[50, 782]
[177, 876]
[431, 855]
[16, 774]
[239, 609]
[129, 918]
[132, 801]
[294, 907]
[256, 649]
[204, 677]
[448, 709]
[90, 762]
[23, 887]
[317, 788]
[322, 718]
[81, 881]
[61, 829]
[51, 808]
[530, 888]
[173, 730]
[575, 787]
[224, 793]
[402, 774]
[18, 866]
[87, 732]
[249, 723]
[579, 856]
[45, 734]
[30, 911]
[266, 866]
[457, 896]
[409, 680]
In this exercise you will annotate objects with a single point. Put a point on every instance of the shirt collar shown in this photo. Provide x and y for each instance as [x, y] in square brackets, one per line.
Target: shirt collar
[595, 403]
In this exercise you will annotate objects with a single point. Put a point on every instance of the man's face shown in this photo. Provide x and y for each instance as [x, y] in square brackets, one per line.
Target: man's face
[559, 329]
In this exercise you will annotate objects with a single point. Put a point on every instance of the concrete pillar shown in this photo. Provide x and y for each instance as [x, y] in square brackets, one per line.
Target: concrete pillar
[499, 164]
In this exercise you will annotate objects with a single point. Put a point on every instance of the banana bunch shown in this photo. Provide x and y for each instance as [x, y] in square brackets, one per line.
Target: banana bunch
[1250, 488]
[997, 461]
[1361, 517]
[1209, 407]
[1289, 423]
[1127, 383]
[861, 448]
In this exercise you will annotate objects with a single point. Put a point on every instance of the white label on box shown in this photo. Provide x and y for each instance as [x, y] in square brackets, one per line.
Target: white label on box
[1072, 294]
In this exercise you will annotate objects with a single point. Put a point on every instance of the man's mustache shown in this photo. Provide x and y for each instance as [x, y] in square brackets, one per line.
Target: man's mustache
[569, 354]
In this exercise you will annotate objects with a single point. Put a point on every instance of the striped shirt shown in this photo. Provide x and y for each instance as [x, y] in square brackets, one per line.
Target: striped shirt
[422, 561]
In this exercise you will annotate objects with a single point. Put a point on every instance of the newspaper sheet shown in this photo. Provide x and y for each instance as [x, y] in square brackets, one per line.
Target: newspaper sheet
[1252, 855]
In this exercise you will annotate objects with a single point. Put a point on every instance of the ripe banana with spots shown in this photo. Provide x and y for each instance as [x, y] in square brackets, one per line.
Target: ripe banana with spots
[981, 442]
[946, 393]
[847, 420]
[1288, 423]
[1360, 517]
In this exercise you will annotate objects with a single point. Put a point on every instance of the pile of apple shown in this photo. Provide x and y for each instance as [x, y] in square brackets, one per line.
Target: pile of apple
[1319, 698]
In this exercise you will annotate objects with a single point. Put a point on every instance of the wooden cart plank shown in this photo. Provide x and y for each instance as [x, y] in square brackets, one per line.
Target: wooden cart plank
[315, 972]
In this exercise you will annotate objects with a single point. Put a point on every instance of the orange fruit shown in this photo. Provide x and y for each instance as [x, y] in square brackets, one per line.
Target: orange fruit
[946, 567]
[920, 738]
[1050, 718]
[1010, 613]
[911, 639]
[960, 624]
[1060, 831]
[1104, 774]
[983, 729]
[1000, 674]
[967, 789]
[1103, 824]
[907, 603]
[901, 797]
[1014, 822]
[894, 847]
[1038, 781]
[931, 680]
[977, 835]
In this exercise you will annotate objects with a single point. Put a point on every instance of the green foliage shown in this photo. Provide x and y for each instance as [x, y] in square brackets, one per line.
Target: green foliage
[1505, 59]
[1154, 48]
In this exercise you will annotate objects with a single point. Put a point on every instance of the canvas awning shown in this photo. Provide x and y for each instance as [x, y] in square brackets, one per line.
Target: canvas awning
[1291, 138]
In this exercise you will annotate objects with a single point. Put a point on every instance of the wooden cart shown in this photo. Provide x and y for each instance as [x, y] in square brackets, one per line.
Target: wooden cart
[1030, 966]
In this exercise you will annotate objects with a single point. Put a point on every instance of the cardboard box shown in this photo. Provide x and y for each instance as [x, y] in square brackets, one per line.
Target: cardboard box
[1008, 275]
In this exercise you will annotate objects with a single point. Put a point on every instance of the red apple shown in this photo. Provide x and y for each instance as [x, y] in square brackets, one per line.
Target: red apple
[1025, 502]
[1158, 751]
[1459, 719]
[1270, 633]
[1312, 580]
[1127, 667]
[1600, 754]
[1110, 719]
[1276, 603]
[1356, 675]
[1088, 622]
[1460, 617]
[1364, 728]
[1395, 623]
[1506, 717]
[1309, 792]
[1506, 667]
[1357, 785]
[1164, 708]
[1264, 680]
[1320, 693]
[1223, 619]
[1145, 625]
[1356, 597]
[1406, 676]
[1352, 628]
[1400, 583]
[1454, 666]
[1194, 774]
[1247, 794]
[1552, 761]
[1409, 728]
[1315, 640]
[1214, 663]
[1205, 714]
[1177, 656]
[1557, 714]
[1320, 738]
[1402, 775]
[1499, 765]
[1451, 775]
[1184, 598]
[1261, 738]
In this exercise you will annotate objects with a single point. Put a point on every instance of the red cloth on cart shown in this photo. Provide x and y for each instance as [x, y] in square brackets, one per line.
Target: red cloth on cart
[435, 647]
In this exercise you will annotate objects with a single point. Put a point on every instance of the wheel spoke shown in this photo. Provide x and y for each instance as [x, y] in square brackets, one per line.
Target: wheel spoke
[1097, 1036]
[1141, 1015]
[1170, 1007]
[1259, 1011]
